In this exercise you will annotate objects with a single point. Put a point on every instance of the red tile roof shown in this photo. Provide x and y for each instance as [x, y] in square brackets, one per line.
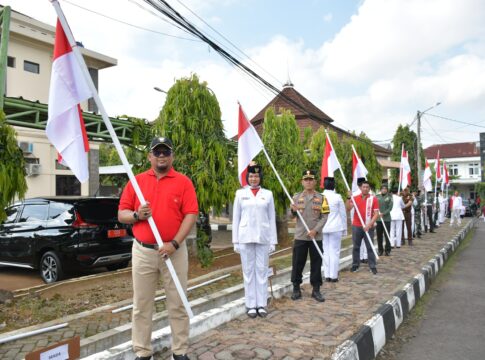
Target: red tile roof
[455, 150]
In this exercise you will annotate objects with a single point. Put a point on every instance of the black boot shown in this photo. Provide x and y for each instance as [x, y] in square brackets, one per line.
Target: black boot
[317, 295]
[296, 292]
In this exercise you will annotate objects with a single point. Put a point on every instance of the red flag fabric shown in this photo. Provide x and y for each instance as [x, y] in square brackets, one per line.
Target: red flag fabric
[405, 170]
[358, 170]
[428, 185]
[438, 166]
[249, 145]
[65, 125]
[446, 176]
[329, 162]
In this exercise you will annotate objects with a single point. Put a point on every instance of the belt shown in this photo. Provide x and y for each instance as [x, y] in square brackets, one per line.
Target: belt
[148, 246]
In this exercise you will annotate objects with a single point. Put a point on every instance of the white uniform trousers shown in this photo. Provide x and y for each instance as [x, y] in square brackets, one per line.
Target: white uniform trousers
[255, 261]
[455, 217]
[396, 233]
[331, 253]
[441, 217]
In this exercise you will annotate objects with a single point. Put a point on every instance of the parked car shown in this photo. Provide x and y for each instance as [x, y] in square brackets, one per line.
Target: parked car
[467, 205]
[59, 234]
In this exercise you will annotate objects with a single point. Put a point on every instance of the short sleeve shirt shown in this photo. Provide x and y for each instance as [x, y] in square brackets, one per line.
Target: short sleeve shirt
[361, 202]
[171, 198]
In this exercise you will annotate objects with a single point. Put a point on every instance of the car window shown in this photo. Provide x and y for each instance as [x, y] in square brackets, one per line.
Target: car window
[59, 212]
[11, 214]
[34, 212]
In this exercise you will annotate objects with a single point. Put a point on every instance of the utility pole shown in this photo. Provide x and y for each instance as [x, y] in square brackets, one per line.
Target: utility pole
[418, 149]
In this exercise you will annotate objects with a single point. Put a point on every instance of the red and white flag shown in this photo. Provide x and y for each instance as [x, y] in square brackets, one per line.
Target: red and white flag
[65, 125]
[437, 166]
[446, 176]
[405, 170]
[358, 169]
[427, 183]
[329, 162]
[249, 145]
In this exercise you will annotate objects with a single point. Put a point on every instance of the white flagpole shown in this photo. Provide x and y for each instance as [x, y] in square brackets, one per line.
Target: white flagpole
[400, 171]
[380, 216]
[117, 144]
[352, 198]
[436, 168]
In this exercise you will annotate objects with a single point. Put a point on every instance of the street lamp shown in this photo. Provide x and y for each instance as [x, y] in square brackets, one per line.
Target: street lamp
[418, 150]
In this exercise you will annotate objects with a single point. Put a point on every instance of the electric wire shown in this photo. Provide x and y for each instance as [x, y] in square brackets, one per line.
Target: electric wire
[457, 121]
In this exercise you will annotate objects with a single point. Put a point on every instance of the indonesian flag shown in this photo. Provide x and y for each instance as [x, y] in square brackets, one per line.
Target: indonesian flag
[437, 166]
[249, 146]
[329, 163]
[405, 170]
[428, 185]
[65, 125]
[446, 176]
[358, 169]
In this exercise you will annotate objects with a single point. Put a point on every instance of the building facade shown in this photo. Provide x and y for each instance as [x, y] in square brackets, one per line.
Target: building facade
[29, 63]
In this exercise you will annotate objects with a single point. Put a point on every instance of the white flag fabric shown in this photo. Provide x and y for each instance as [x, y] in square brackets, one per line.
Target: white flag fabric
[358, 170]
[405, 170]
[65, 126]
[248, 147]
[330, 162]
[427, 183]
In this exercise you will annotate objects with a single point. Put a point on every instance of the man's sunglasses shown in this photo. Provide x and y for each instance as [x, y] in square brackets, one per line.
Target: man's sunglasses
[163, 151]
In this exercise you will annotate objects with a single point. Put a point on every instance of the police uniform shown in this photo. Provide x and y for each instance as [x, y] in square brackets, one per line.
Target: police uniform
[334, 229]
[385, 207]
[429, 211]
[417, 203]
[309, 205]
[407, 223]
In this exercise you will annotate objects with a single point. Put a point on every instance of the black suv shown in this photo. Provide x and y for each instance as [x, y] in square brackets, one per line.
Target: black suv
[55, 234]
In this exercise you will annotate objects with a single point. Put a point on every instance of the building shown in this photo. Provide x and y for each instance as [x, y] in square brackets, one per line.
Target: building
[29, 63]
[308, 115]
[463, 163]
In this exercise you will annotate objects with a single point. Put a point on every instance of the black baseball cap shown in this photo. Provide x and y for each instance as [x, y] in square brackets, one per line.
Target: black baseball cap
[160, 140]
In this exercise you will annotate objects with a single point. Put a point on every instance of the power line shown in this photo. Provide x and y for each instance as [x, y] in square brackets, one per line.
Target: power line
[127, 23]
[457, 121]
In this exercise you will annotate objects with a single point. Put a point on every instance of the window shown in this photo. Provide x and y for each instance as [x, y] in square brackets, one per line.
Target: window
[11, 214]
[60, 212]
[31, 67]
[34, 212]
[453, 169]
[67, 185]
[10, 61]
[473, 169]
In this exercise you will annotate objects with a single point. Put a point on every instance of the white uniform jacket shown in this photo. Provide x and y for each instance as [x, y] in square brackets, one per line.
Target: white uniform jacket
[397, 206]
[253, 219]
[337, 218]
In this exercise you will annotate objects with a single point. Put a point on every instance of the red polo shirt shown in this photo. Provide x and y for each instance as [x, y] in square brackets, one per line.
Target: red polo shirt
[361, 202]
[171, 198]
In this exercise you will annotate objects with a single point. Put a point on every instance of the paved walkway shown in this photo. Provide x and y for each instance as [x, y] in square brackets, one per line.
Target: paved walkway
[454, 318]
[306, 329]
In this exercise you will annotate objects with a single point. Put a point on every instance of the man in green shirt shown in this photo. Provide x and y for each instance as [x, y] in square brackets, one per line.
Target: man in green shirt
[385, 207]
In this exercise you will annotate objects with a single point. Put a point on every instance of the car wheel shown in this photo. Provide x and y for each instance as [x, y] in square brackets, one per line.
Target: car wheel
[50, 267]
[118, 266]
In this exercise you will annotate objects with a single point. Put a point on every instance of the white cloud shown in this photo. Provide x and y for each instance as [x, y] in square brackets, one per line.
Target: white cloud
[328, 17]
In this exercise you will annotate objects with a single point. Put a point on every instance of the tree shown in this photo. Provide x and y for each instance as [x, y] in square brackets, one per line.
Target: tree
[281, 138]
[12, 167]
[404, 135]
[191, 118]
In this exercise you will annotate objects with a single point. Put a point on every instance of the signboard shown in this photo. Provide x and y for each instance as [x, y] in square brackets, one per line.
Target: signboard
[65, 350]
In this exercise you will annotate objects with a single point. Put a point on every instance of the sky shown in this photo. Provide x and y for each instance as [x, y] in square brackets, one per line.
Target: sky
[368, 64]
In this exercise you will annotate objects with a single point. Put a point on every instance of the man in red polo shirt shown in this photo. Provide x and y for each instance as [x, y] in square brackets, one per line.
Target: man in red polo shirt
[172, 202]
[368, 207]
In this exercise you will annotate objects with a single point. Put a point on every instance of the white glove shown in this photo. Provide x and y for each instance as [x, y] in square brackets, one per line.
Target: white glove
[272, 248]
[237, 249]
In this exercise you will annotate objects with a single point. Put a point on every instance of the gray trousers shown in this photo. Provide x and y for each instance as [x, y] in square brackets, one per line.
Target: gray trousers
[357, 235]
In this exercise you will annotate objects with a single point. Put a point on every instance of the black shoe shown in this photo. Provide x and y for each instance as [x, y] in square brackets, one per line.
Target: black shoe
[180, 357]
[380, 252]
[296, 292]
[363, 261]
[143, 358]
[317, 295]
[388, 253]
[354, 268]
[432, 231]
[262, 312]
[335, 280]
[252, 313]
[374, 271]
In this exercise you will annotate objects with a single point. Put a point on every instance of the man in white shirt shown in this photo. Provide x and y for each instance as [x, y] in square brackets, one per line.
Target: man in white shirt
[457, 203]
[397, 218]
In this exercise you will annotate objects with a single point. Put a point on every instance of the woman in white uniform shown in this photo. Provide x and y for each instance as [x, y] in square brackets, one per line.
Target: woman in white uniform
[254, 238]
[397, 217]
[334, 229]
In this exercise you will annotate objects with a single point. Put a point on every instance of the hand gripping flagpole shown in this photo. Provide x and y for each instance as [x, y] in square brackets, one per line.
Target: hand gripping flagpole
[121, 153]
[352, 198]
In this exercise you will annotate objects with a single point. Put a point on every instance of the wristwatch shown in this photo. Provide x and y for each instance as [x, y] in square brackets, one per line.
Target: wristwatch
[135, 216]
[175, 244]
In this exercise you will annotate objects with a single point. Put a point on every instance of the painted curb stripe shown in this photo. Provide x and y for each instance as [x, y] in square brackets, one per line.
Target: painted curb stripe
[365, 343]
[387, 313]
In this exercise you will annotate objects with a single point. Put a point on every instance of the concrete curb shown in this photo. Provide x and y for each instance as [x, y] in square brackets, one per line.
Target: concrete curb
[366, 343]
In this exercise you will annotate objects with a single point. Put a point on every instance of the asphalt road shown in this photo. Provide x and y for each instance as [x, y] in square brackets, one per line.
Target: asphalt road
[454, 319]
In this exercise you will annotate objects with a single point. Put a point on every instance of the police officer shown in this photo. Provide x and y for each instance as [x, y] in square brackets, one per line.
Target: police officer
[385, 207]
[429, 210]
[417, 203]
[407, 198]
[309, 204]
